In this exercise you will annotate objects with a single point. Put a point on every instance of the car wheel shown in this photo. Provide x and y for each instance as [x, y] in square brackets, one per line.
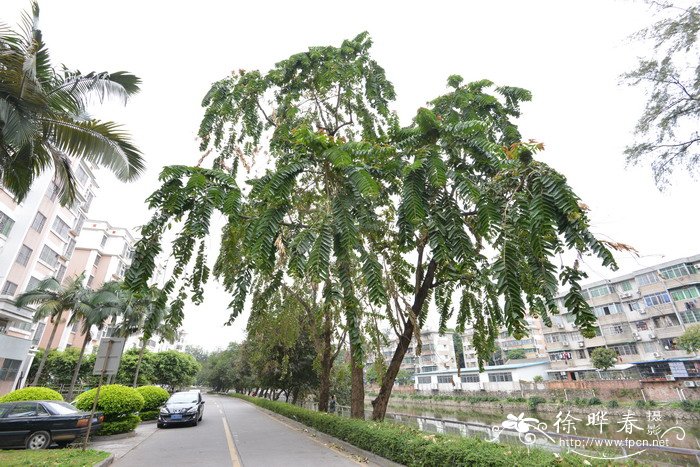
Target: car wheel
[39, 440]
[201, 417]
[195, 422]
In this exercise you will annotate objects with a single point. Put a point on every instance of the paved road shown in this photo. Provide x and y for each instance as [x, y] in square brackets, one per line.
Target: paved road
[233, 433]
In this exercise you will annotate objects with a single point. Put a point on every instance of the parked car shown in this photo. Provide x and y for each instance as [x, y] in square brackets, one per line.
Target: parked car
[37, 424]
[182, 407]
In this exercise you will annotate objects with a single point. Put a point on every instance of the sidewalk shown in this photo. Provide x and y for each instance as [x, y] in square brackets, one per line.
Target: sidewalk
[121, 445]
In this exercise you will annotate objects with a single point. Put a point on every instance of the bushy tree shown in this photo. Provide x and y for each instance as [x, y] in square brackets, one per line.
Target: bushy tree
[603, 358]
[690, 340]
[516, 354]
[174, 369]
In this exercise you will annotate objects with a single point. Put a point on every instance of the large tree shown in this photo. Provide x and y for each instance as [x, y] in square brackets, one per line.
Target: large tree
[321, 114]
[667, 132]
[52, 300]
[44, 119]
[390, 217]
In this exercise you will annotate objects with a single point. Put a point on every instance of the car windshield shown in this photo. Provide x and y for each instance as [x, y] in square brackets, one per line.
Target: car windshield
[61, 408]
[183, 398]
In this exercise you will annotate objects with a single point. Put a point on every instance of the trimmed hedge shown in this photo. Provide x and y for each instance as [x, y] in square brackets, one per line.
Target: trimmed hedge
[411, 447]
[120, 425]
[116, 401]
[153, 396]
[149, 414]
[32, 394]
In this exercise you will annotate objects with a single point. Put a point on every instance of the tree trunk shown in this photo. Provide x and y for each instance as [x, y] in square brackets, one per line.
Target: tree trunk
[39, 370]
[380, 403]
[138, 364]
[295, 395]
[76, 371]
[357, 388]
[326, 365]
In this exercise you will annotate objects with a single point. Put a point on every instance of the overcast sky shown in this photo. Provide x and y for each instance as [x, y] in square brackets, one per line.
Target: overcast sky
[569, 54]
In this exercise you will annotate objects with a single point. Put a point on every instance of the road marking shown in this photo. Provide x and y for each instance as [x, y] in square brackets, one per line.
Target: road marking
[235, 460]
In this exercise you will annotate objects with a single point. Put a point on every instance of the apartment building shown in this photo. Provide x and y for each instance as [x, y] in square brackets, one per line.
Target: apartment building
[640, 316]
[532, 345]
[104, 253]
[37, 239]
[437, 353]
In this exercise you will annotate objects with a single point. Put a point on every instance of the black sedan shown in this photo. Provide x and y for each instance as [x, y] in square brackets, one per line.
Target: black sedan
[182, 407]
[37, 424]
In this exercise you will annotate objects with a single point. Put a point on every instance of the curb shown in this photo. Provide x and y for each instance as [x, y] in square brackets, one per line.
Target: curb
[105, 462]
[130, 434]
[345, 446]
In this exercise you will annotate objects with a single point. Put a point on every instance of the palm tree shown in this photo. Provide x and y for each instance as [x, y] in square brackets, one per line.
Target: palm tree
[53, 300]
[99, 309]
[44, 120]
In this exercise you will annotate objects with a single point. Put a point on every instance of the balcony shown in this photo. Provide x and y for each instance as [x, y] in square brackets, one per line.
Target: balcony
[670, 331]
[657, 310]
[620, 338]
[684, 280]
[614, 318]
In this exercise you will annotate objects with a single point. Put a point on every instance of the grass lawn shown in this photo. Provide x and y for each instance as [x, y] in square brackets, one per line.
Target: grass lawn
[52, 457]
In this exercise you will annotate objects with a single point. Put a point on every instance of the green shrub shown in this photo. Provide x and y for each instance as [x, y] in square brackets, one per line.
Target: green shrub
[120, 425]
[640, 403]
[516, 399]
[534, 401]
[149, 414]
[32, 394]
[411, 447]
[153, 397]
[594, 401]
[116, 401]
[612, 404]
[690, 406]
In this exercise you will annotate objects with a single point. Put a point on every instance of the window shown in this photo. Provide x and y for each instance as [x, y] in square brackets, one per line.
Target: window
[70, 248]
[79, 223]
[445, 379]
[81, 175]
[39, 221]
[98, 257]
[9, 288]
[550, 338]
[626, 286]
[89, 281]
[641, 325]
[52, 193]
[22, 410]
[648, 278]
[88, 201]
[585, 294]
[425, 380]
[656, 299]
[38, 333]
[581, 353]
[605, 310]
[60, 273]
[24, 254]
[470, 378]
[60, 227]
[649, 347]
[625, 349]
[23, 325]
[633, 306]
[9, 369]
[427, 369]
[690, 316]
[669, 344]
[614, 329]
[104, 241]
[686, 293]
[665, 321]
[32, 284]
[600, 291]
[5, 224]
[49, 256]
[500, 377]
[673, 272]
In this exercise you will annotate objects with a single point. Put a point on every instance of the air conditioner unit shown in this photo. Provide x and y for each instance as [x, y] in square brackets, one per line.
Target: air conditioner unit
[575, 326]
[565, 344]
[652, 336]
[642, 311]
[657, 355]
[670, 378]
[626, 294]
[666, 347]
[689, 384]
[639, 338]
[560, 326]
[581, 344]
